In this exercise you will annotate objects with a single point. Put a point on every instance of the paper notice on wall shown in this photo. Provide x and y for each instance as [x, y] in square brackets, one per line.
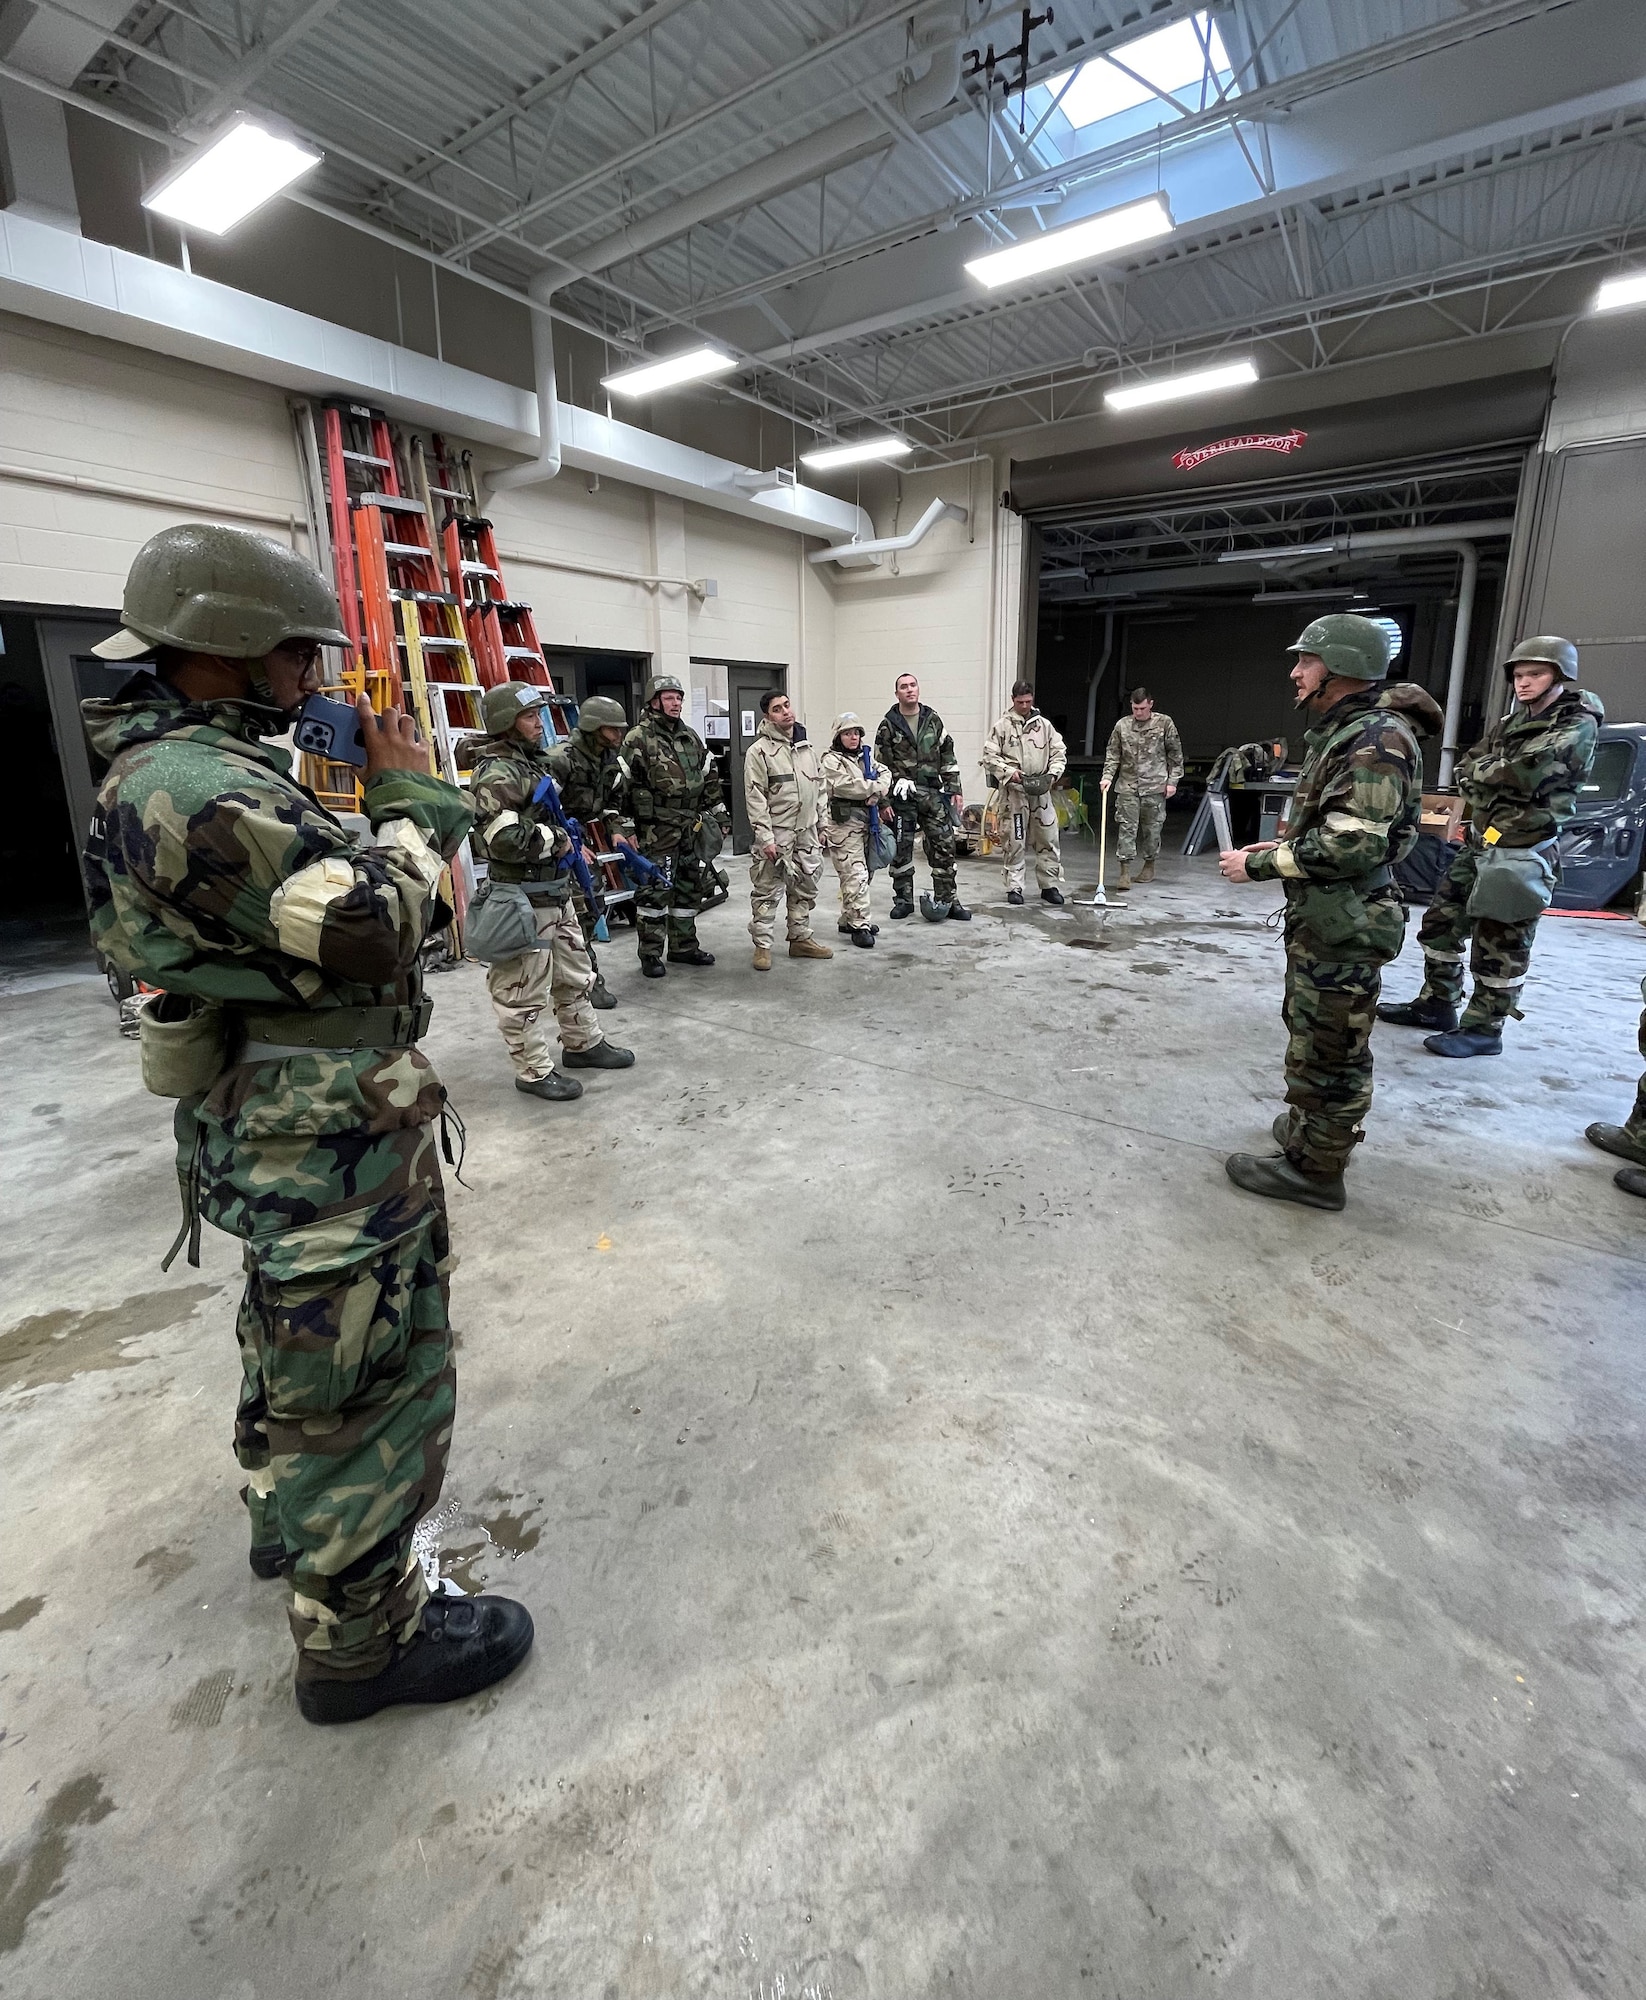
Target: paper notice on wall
[699, 708]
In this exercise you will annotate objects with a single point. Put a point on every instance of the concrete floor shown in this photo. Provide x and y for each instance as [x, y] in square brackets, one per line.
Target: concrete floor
[976, 1551]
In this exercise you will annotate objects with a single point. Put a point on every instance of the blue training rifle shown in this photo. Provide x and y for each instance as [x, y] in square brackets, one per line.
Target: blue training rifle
[547, 795]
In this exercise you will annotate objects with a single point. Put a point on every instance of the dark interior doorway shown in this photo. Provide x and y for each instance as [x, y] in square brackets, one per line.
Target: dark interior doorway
[745, 684]
[45, 671]
[582, 672]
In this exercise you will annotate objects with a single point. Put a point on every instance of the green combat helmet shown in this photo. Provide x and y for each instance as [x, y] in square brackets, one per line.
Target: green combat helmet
[663, 684]
[1546, 651]
[224, 591]
[1352, 647]
[504, 705]
[601, 712]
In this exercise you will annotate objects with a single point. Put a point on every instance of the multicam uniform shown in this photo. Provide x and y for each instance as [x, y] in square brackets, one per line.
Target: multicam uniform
[1522, 778]
[1024, 755]
[850, 791]
[520, 845]
[1142, 759]
[213, 876]
[783, 790]
[1353, 816]
[674, 785]
[924, 754]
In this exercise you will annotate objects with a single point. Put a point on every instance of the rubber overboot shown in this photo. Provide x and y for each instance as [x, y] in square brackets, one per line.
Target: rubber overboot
[864, 936]
[930, 908]
[1632, 1180]
[1052, 896]
[1014, 896]
[652, 968]
[1146, 873]
[1281, 1129]
[604, 1055]
[463, 1644]
[1619, 1140]
[601, 996]
[1125, 881]
[556, 1088]
[903, 904]
[808, 947]
[844, 928]
[1466, 1042]
[1426, 1011]
[692, 954]
[1281, 1181]
[959, 912]
[762, 960]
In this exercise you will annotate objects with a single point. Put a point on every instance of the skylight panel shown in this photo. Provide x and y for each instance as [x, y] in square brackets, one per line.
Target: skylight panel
[1187, 61]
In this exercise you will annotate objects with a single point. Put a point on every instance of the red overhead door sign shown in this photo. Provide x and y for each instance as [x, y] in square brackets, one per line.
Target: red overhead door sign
[1282, 441]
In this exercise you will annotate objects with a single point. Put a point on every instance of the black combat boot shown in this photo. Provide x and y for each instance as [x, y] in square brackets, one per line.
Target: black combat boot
[1632, 1180]
[1051, 895]
[604, 1055]
[903, 903]
[1424, 1012]
[691, 954]
[463, 1644]
[1015, 897]
[601, 996]
[1281, 1181]
[1466, 1042]
[864, 935]
[959, 912]
[652, 968]
[1620, 1140]
[556, 1088]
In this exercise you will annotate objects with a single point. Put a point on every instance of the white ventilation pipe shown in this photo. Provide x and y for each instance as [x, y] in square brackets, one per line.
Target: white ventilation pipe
[547, 462]
[788, 167]
[1098, 672]
[854, 555]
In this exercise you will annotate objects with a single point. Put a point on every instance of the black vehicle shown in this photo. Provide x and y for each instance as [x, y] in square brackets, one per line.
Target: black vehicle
[1600, 846]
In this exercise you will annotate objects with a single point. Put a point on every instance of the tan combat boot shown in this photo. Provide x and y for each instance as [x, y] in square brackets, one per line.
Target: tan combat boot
[762, 958]
[1125, 881]
[808, 948]
[1146, 872]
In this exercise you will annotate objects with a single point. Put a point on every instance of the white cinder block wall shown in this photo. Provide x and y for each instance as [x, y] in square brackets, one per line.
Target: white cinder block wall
[202, 443]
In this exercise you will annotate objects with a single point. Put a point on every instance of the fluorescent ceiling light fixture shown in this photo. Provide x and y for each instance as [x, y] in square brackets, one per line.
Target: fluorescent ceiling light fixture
[1079, 243]
[856, 452]
[1279, 553]
[1169, 388]
[694, 365]
[1629, 290]
[232, 175]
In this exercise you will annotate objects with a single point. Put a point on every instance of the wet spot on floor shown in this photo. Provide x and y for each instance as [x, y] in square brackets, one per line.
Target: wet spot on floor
[16, 1616]
[53, 1346]
[1557, 1083]
[1154, 965]
[202, 1707]
[164, 1565]
[512, 1526]
[1086, 944]
[37, 1873]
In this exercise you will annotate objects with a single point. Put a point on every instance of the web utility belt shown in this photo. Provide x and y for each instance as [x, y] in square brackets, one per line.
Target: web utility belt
[272, 1037]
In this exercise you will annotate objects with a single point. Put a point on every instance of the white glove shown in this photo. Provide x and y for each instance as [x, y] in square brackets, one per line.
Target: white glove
[903, 788]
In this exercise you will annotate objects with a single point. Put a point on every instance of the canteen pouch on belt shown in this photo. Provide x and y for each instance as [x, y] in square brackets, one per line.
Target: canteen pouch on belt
[1513, 885]
[184, 1044]
[501, 924]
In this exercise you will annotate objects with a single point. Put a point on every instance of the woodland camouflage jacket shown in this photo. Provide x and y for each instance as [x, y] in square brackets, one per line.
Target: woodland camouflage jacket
[591, 777]
[1524, 774]
[924, 754]
[212, 873]
[1358, 797]
[515, 838]
[1147, 754]
[672, 778]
